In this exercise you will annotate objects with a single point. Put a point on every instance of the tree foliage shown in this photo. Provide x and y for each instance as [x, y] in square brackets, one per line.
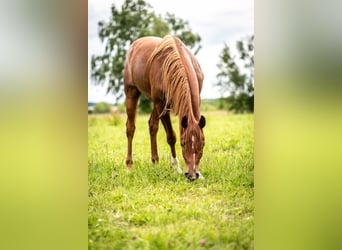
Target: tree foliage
[134, 19]
[101, 108]
[236, 75]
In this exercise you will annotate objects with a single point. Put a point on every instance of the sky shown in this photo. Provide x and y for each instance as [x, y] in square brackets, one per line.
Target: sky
[221, 21]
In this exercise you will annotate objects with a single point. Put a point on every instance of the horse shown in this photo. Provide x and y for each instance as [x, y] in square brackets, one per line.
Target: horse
[166, 72]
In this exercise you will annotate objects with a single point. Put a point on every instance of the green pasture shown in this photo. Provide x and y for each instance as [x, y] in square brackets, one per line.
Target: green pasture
[153, 207]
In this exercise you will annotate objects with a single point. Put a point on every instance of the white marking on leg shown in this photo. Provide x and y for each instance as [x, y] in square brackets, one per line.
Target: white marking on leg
[175, 165]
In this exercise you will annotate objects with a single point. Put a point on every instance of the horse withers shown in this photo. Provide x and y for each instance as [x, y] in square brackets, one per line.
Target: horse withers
[166, 72]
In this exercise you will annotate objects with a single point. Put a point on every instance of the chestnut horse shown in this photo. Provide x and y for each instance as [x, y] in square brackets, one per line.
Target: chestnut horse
[168, 74]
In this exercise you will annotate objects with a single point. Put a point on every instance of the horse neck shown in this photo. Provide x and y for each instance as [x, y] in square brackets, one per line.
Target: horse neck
[192, 79]
[179, 79]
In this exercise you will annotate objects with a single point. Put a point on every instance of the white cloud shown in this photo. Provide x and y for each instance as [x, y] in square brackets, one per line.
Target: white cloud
[216, 21]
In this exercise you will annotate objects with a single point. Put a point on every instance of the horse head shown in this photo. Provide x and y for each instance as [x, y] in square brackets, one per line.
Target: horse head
[192, 142]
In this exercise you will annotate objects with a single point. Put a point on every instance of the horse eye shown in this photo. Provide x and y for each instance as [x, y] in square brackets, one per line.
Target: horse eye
[182, 144]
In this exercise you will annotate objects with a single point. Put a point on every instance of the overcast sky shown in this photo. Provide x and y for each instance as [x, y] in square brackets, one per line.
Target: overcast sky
[216, 21]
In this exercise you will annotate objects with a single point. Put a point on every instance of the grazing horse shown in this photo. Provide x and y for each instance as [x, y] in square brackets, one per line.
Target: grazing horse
[167, 73]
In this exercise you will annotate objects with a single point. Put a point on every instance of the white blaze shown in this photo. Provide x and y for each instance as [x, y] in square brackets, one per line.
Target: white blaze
[193, 155]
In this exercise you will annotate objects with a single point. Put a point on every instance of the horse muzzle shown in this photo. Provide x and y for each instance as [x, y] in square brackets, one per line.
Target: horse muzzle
[192, 177]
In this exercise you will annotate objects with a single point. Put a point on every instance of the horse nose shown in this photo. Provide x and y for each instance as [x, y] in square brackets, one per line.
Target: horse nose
[192, 177]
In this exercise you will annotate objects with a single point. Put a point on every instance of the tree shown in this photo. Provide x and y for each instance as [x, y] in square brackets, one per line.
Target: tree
[237, 80]
[101, 108]
[135, 19]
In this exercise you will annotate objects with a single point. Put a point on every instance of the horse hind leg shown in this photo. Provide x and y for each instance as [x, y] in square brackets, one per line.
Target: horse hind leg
[171, 140]
[132, 97]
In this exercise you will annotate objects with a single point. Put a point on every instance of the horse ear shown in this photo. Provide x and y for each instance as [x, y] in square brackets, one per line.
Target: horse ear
[184, 122]
[201, 122]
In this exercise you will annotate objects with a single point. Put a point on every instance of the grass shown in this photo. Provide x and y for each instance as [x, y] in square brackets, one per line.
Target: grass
[153, 207]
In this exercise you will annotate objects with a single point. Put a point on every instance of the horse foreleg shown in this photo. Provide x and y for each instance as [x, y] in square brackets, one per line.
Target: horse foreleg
[153, 126]
[131, 107]
[171, 140]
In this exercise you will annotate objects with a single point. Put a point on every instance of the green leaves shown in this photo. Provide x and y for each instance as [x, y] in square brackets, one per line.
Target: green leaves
[236, 80]
[181, 29]
[134, 19]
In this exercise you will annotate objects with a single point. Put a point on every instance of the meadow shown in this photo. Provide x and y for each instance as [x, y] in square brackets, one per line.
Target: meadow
[153, 207]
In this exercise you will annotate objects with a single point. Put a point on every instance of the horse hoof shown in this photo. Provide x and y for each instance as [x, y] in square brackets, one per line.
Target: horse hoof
[129, 167]
[177, 169]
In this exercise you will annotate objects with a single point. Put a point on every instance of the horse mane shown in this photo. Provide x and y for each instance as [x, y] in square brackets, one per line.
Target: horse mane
[175, 80]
